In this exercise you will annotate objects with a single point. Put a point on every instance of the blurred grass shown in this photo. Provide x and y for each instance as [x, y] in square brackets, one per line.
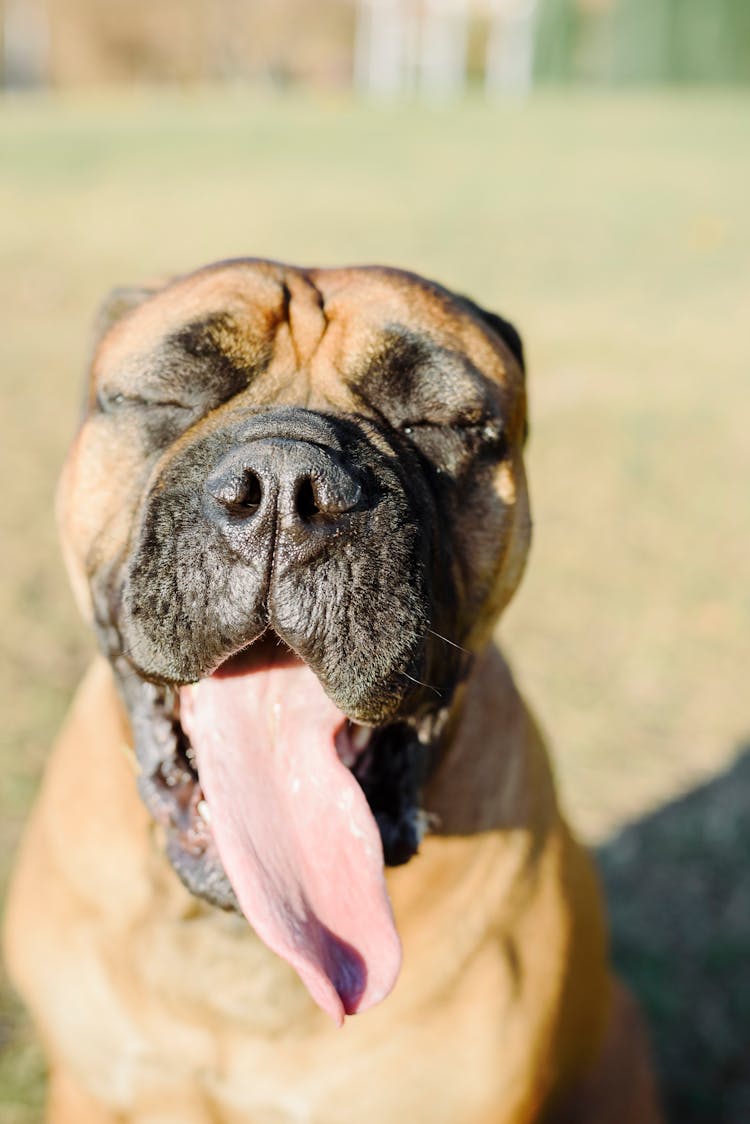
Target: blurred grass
[613, 230]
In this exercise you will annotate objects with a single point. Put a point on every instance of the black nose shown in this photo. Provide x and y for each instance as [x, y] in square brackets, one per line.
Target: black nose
[303, 484]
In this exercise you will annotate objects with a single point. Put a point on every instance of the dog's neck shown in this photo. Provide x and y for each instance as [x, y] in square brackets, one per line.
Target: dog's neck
[492, 804]
[482, 782]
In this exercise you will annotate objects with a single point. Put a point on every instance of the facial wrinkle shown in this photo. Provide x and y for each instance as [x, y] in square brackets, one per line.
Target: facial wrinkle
[307, 319]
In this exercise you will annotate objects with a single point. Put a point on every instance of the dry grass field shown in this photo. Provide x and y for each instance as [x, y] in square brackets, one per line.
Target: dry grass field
[615, 231]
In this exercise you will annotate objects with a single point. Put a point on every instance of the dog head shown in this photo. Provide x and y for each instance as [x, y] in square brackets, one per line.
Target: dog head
[293, 511]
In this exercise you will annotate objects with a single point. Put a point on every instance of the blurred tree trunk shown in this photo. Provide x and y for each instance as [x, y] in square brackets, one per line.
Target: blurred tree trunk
[407, 45]
[384, 48]
[444, 48]
[25, 43]
[510, 46]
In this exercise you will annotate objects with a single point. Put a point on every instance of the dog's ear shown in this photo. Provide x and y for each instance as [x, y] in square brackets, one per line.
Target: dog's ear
[503, 328]
[118, 303]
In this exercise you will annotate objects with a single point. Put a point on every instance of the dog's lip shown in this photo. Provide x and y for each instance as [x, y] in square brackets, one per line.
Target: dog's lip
[389, 759]
[178, 800]
[257, 654]
[352, 738]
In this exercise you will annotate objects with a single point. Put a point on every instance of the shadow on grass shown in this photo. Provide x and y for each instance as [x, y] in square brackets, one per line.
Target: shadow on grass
[678, 888]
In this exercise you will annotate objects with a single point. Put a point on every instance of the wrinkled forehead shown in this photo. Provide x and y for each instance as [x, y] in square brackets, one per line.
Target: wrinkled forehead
[260, 314]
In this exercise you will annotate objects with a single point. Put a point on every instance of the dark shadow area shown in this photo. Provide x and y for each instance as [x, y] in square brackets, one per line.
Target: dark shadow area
[678, 887]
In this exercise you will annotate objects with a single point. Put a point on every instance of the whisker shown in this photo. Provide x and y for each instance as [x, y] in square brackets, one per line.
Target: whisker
[131, 651]
[452, 643]
[419, 683]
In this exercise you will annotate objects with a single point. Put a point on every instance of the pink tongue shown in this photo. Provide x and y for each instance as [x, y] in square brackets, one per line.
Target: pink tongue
[294, 831]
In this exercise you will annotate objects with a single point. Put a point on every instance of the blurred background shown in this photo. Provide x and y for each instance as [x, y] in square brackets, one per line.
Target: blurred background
[582, 167]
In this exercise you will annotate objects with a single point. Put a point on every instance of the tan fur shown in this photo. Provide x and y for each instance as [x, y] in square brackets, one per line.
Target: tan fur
[158, 1009]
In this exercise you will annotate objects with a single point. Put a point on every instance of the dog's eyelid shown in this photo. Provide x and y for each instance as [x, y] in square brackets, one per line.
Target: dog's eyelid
[110, 401]
[486, 427]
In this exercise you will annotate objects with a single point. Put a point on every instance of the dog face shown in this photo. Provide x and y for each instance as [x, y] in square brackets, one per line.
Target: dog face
[293, 511]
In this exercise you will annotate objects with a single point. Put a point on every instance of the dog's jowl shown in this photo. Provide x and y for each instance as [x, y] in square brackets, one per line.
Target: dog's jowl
[297, 858]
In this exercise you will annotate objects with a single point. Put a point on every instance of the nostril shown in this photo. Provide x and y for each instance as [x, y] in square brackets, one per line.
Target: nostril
[324, 499]
[305, 501]
[241, 494]
[252, 492]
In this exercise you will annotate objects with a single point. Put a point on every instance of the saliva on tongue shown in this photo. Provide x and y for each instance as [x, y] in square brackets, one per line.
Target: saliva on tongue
[293, 828]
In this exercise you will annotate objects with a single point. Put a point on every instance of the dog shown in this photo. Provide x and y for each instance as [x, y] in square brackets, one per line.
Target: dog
[299, 784]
